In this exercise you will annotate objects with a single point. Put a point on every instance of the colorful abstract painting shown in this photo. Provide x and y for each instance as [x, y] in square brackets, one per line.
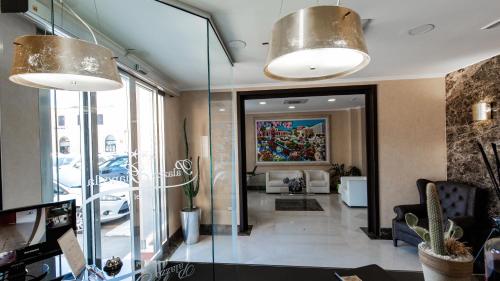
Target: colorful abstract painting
[297, 140]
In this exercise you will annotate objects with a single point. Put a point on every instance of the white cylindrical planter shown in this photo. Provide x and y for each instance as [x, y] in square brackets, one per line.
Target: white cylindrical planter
[440, 269]
[190, 220]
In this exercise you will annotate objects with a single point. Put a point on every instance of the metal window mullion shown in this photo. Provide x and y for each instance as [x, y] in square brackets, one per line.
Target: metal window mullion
[162, 165]
[90, 172]
[135, 218]
[157, 181]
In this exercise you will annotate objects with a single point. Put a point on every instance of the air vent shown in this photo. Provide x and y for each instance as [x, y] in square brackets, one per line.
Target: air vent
[295, 101]
[491, 25]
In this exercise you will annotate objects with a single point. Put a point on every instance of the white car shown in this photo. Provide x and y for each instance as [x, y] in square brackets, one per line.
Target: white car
[112, 206]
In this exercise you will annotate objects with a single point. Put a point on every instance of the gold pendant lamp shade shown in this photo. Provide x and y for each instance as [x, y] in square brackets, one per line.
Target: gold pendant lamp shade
[54, 62]
[317, 43]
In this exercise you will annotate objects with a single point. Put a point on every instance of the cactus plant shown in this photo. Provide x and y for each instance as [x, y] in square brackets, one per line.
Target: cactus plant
[435, 237]
[192, 187]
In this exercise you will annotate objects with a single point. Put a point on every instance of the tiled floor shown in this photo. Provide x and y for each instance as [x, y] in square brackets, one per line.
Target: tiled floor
[331, 238]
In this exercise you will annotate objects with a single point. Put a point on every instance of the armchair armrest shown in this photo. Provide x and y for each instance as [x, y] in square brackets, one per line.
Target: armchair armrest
[418, 210]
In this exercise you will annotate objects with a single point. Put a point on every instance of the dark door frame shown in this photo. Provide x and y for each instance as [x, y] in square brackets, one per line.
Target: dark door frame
[370, 93]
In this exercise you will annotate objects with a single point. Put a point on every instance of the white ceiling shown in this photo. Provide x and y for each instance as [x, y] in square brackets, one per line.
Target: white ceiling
[169, 39]
[313, 104]
[174, 42]
[456, 42]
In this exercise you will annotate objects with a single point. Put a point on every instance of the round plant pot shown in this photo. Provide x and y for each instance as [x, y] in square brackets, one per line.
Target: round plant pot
[436, 268]
[190, 220]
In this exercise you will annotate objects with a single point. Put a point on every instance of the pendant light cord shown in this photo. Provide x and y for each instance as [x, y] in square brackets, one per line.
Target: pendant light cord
[52, 16]
[83, 22]
[67, 7]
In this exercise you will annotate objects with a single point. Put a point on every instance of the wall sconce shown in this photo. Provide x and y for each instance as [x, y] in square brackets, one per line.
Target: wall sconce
[481, 111]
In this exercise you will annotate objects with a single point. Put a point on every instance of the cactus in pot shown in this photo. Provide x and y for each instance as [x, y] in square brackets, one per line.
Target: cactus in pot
[191, 215]
[443, 257]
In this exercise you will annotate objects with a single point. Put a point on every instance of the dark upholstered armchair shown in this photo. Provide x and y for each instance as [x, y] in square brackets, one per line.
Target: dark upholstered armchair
[464, 204]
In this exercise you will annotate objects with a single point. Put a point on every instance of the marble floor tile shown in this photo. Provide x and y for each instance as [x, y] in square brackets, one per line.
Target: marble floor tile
[329, 238]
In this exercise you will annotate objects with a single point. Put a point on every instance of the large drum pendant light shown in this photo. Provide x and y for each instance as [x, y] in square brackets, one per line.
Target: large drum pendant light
[54, 62]
[317, 43]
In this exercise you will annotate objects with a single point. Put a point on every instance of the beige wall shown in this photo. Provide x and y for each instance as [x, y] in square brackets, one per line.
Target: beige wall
[194, 106]
[174, 151]
[20, 145]
[345, 144]
[412, 139]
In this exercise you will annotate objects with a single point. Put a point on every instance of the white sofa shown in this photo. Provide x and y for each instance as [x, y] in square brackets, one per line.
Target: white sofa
[353, 191]
[274, 180]
[317, 181]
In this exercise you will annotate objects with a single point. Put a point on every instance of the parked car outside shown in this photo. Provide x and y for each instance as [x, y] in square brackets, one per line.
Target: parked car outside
[116, 168]
[112, 206]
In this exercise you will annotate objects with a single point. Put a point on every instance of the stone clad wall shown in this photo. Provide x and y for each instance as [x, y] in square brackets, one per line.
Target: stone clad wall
[465, 87]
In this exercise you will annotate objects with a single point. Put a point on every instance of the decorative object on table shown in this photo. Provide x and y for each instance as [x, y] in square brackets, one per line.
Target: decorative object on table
[191, 215]
[304, 141]
[274, 180]
[338, 170]
[295, 185]
[62, 63]
[443, 257]
[492, 259]
[113, 266]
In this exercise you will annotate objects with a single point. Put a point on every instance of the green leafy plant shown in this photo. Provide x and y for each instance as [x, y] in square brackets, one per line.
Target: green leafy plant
[192, 187]
[441, 242]
[338, 170]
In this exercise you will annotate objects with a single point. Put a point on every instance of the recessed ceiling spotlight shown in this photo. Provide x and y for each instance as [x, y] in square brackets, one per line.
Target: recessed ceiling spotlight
[222, 109]
[421, 29]
[237, 44]
[262, 102]
[331, 100]
[291, 107]
[491, 25]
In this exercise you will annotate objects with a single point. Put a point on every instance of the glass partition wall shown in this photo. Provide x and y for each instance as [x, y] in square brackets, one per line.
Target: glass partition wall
[129, 156]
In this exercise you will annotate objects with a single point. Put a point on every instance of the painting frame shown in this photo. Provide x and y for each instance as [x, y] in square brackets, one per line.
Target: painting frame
[326, 120]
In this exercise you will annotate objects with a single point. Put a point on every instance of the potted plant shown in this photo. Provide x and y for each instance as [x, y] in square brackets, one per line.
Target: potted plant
[191, 215]
[338, 170]
[443, 257]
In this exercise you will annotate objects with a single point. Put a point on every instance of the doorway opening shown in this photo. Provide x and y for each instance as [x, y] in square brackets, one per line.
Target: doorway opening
[291, 148]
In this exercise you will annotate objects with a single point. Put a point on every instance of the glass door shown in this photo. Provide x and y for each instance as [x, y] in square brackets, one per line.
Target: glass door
[108, 150]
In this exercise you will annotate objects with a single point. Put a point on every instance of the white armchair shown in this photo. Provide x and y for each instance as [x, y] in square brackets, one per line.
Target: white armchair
[353, 191]
[274, 180]
[317, 181]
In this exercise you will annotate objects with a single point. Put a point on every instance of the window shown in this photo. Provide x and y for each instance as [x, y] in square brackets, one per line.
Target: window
[64, 144]
[110, 143]
[61, 121]
[98, 157]
[100, 119]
